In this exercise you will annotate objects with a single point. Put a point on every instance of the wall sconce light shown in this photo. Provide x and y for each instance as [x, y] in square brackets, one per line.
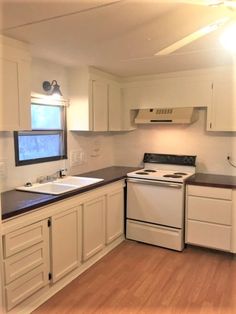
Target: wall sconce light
[53, 87]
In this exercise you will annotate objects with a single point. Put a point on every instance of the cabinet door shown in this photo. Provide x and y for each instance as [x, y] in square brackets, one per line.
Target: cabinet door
[93, 227]
[222, 113]
[14, 90]
[100, 105]
[115, 112]
[66, 242]
[114, 215]
[170, 92]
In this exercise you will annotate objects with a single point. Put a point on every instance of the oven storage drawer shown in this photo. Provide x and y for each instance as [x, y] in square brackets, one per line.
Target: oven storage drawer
[155, 234]
[209, 235]
[210, 210]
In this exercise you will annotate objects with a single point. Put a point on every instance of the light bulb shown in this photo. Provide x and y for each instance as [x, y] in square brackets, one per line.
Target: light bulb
[227, 39]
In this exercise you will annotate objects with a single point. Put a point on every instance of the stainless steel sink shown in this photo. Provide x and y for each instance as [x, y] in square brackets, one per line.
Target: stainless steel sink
[60, 186]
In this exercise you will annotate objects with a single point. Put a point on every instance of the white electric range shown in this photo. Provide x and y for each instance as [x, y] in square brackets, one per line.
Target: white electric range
[155, 200]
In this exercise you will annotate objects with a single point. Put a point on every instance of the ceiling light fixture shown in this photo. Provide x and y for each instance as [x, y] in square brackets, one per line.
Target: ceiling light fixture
[227, 39]
[192, 37]
[53, 88]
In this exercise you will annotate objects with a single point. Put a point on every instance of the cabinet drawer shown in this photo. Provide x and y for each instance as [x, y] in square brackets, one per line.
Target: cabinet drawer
[210, 210]
[24, 238]
[23, 262]
[206, 191]
[209, 235]
[25, 286]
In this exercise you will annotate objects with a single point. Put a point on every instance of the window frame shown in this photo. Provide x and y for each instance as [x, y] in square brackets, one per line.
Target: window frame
[62, 132]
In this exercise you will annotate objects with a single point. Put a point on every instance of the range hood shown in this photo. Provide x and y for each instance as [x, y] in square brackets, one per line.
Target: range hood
[184, 115]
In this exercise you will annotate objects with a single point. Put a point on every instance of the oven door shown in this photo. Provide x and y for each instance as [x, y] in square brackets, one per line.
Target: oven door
[157, 202]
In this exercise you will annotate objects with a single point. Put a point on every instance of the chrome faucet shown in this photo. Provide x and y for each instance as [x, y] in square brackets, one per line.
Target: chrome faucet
[52, 177]
[62, 173]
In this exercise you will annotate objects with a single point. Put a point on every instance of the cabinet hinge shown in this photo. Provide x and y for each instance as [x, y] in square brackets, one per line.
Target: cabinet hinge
[49, 276]
[49, 223]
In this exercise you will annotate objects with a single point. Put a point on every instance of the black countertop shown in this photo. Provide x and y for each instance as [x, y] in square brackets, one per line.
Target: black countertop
[18, 202]
[213, 180]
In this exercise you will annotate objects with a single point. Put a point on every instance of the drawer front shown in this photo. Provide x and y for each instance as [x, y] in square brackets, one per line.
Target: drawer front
[24, 238]
[210, 210]
[23, 262]
[206, 191]
[25, 286]
[209, 235]
[154, 234]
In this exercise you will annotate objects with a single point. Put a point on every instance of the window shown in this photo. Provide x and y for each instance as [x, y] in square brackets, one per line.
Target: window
[47, 140]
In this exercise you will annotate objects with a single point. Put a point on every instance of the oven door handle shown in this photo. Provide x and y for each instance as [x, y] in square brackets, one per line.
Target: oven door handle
[157, 183]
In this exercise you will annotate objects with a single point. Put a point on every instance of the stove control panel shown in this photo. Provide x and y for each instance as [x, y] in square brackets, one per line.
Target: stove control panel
[185, 160]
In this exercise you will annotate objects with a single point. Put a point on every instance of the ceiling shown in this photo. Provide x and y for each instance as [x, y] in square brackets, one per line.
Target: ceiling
[117, 36]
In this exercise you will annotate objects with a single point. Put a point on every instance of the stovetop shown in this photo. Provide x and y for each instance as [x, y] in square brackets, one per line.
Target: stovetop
[166, 167]
[161, 175]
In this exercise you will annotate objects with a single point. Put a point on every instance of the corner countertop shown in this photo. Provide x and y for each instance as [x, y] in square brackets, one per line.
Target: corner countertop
[213, 180]
[18, 202]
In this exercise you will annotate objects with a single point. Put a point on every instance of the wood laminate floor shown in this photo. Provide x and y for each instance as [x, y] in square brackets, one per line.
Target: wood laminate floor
[139, 278]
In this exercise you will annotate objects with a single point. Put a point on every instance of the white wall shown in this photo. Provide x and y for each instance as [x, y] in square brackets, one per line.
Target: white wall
[211, 148]
[97, 148]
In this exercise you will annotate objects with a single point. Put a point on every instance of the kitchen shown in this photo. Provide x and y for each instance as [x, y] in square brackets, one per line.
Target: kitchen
[96, 150]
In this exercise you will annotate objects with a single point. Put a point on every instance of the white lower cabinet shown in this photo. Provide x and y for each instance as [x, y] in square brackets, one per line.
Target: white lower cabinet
[21, 263]
[65, 242]
[26, 264]
[44, 249]
[209, 217]
[103, 221]
[114, 215]
[26, 285]
[93, 227]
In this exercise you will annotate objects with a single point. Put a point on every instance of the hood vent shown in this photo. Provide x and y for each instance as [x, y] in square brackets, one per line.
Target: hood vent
[185, 115]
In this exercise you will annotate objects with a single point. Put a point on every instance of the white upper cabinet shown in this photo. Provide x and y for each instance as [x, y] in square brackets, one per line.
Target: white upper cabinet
[168, 92]
[15, 85]
[100, 105]
[115, 112]
[221, 114]
[95, 101]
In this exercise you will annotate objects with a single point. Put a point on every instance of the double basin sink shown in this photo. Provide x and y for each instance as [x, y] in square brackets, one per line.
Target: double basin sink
[60, 186]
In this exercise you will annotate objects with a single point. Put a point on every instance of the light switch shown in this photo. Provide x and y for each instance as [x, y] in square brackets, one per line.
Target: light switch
[77, 157]
[3, 172]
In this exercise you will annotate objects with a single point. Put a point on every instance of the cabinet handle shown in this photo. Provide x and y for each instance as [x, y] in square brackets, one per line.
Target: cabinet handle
[157, 183]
